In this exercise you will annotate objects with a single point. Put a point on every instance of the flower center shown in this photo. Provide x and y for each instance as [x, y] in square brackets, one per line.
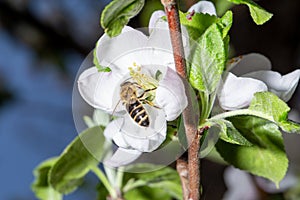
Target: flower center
[137, 92]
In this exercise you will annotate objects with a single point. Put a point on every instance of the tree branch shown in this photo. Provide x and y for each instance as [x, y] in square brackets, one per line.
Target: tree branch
[190, 122]
[182, 169]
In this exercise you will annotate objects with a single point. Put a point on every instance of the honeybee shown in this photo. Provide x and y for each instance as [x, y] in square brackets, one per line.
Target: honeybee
[134, 102]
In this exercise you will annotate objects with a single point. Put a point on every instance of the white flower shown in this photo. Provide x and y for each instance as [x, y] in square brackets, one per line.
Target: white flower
[252, 73]
[242, 185]
[102, 89]
[205, 7]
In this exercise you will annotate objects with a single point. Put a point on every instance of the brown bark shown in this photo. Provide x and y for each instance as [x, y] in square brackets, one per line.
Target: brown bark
[190, 124]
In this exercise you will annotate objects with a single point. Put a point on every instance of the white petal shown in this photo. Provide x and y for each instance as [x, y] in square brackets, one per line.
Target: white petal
[160, 38]
[156, 15]
[127, 134]
[282, 86]
[98, 88]
[248, 63]
[122, 157]
[205, 7]
[108, 49]
[113, 132]
[145, 57]
[240, 185]
[237, 92]
[170, 95]
[145, 139]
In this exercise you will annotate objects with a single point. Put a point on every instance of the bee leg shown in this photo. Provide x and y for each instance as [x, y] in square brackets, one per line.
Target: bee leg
[145, 92]
[148, 90]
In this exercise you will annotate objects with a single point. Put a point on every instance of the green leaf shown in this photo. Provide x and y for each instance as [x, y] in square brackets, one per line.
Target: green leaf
[229, 133]
[268, 106]
[222, 6]
[97, 65]
[258, 14]
[146, 193]
[225, 23]
[85, 151]
[196, 24]
[266, 157]
[181, 134]
[272, 106]
[290, 126]
[210, 55]
[118, 13]
[41, 187]
[165, 179]
[102, 192]
[208, 60]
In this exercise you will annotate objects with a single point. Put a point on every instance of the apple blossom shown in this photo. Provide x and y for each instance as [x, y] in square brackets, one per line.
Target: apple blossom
[252, 73]
[102, 89]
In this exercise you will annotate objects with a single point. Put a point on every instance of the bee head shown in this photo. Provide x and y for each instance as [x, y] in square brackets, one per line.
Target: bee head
[128, 92]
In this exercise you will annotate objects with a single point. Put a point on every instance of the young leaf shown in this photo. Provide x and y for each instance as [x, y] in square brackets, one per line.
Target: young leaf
[209, 57]
[266, 157]
[117, 14]
[41, 187]
[225, 23]
[197, 23]
[272, 106]
[208, 60]
[258, 14]
[74, 163]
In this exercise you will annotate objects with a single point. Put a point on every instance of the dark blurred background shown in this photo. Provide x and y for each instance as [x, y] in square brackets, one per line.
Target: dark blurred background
[42, 44]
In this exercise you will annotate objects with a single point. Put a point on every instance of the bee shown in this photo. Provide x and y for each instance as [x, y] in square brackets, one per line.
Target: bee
[134, 102]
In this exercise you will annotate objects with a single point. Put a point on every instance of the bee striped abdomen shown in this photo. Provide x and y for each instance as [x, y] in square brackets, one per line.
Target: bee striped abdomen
[138, 113]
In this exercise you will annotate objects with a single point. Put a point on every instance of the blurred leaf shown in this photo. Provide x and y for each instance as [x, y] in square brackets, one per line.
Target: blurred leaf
[258, 14]
[74, 163]
[272, 106]
[41, 187]
[214, 156]
[222, 6]
[88, 121]
[102, 192]
[118, 13]
[165, 180]
[101, 118]
[146, 193]
[266, 157]
[149, 8]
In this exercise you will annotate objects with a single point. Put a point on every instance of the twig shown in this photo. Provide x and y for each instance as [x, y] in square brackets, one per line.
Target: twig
[175, 34]
[190, 124]
[182, 169]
